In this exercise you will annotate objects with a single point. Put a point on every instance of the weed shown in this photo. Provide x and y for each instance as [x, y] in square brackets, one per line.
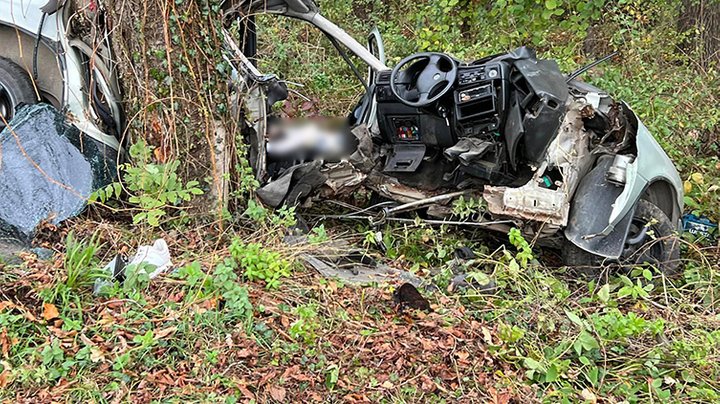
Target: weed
[318, 235]
[79, 271]
[258, 263]
[153, 187]
[468, 208]
[237, 301]
[306, 326]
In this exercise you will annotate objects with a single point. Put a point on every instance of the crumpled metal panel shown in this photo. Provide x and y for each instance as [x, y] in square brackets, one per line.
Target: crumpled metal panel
[569, 153]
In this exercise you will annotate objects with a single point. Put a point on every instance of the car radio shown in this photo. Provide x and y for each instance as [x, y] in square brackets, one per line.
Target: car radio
[480, 98]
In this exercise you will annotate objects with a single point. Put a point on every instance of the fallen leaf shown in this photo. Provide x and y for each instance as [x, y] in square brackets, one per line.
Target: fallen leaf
[4, 343]
[267, 377]
[428, 385]
[588, 395]
[277, 393]
[165, 332]
[4, 304]
[388, 384]
[96, 355]
[462, 355]
[246, 392]
[50, 311]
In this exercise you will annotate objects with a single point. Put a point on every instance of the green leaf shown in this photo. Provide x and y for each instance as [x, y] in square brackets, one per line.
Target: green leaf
[532, 364]
[331, 376]
[578, 347]
[117, 187]
[588, 341]
[624, 291]
[604, 293]
[575, 319]
[551, 4]
[592, 375]
[551, 374]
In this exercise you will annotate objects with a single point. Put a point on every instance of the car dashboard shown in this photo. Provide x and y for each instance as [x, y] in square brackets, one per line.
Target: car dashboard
[493, 103]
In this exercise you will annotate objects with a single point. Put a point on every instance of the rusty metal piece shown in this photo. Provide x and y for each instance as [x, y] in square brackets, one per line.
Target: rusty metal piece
[536, 201]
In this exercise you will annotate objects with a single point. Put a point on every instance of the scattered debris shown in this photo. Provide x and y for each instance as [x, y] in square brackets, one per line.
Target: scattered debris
[407, 296]
[700, 226]
[156, 256]
[475, 281]
[465, 277]
[359, 273]
[153, 259]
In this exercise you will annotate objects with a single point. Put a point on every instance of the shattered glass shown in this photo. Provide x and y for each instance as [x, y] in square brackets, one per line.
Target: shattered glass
[48, 169]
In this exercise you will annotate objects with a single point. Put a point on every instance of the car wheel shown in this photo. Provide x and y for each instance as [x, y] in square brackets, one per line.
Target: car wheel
[16, 88]
[585, 264]
[652, 239]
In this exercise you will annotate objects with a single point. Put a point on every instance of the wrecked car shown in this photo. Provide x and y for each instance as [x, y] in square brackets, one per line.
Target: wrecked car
[541, 151]
[60, 115]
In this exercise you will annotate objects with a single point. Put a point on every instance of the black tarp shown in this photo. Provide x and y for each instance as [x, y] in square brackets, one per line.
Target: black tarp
[48, 169]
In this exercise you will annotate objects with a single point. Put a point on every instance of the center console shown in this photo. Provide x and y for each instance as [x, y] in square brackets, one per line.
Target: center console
[480, 98]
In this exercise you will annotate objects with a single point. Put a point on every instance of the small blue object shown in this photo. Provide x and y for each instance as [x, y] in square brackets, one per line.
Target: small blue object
[699, 226]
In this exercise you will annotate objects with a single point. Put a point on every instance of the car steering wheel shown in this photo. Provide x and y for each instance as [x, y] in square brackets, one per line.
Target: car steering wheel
[421, 79]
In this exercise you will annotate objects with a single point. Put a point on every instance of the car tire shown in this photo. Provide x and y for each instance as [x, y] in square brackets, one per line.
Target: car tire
[660, 246]
[657, 244]
[586, 265]
[16, 87]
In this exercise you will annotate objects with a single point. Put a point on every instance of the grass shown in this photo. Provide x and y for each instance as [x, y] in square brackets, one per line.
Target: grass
[241, 319]
[210, 333]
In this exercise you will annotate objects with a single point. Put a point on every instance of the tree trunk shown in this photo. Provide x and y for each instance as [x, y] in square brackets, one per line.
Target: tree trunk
[701, 18]
[175, 97]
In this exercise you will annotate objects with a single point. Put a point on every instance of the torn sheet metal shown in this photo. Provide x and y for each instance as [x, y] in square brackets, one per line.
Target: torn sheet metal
[345, 176]
[48, 169]
[541, 199]
[340, 260]
[361, 274]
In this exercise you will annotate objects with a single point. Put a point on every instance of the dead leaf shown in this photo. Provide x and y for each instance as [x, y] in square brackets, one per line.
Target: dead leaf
[4, 343]
[246, 392]
[4, 304]
[588, 395]
[462, 355]
[106, 319]
[487, 336]
[165, 332]
[244, 353]
[96, 355]
[278, 393]
[267, 377]
[50, 311]
[428, 385]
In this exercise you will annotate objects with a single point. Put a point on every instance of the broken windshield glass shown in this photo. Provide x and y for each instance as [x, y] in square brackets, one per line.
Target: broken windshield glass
[48, 169]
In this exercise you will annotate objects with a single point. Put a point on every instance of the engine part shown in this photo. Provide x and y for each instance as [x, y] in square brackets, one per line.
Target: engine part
[617, 173]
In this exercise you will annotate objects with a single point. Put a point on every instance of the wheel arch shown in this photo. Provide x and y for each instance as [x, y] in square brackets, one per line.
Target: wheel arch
[661, 193]
[18, 45]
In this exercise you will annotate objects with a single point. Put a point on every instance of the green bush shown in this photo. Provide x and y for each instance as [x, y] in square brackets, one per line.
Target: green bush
[258, 263]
